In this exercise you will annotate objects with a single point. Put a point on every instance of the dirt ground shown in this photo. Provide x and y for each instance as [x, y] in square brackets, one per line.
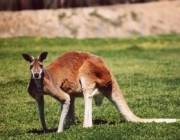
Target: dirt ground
[107, 21]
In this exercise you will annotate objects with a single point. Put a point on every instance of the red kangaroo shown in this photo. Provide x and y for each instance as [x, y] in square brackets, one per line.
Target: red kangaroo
[77, 74]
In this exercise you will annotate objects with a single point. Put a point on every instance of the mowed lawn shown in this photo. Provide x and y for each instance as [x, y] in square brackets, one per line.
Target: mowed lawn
[147, 70]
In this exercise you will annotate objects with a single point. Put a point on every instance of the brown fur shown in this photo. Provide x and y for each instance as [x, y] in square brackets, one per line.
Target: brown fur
[69, 67]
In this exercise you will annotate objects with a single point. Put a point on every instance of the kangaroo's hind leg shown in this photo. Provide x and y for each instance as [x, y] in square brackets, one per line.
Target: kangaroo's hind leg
[88, 91]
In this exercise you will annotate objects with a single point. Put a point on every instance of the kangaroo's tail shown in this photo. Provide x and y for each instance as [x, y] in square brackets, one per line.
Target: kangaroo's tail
[118, 100]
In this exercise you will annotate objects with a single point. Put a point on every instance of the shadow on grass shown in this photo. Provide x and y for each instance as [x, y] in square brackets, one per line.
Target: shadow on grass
[95, 122]
[36, 131]
[99, 122]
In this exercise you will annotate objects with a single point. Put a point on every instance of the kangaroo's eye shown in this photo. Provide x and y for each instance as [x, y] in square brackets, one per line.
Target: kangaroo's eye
[31, 66]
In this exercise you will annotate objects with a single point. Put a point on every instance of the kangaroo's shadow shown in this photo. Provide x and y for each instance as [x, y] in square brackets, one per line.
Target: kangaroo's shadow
[36, 131]
[95, 122]
[99, 122]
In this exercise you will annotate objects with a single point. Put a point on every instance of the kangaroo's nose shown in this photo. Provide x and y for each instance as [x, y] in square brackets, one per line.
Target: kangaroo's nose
[36, 75]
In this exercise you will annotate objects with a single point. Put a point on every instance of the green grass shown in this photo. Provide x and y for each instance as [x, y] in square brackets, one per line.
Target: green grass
[146, 68]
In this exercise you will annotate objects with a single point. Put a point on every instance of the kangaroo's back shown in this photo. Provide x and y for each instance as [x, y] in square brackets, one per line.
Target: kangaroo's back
[71, 61]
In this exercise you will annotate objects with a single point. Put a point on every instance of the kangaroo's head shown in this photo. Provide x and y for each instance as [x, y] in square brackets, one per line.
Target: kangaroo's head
[36, 64]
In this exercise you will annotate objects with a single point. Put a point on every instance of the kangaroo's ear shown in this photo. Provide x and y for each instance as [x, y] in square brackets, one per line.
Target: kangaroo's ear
[42, 56]
[27, 57]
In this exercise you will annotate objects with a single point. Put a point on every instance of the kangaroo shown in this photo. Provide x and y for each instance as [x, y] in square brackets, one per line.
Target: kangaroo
[77, 74]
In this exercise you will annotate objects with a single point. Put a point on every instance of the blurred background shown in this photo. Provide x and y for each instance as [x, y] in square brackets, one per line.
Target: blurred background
[54, 4]
[88, 18]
